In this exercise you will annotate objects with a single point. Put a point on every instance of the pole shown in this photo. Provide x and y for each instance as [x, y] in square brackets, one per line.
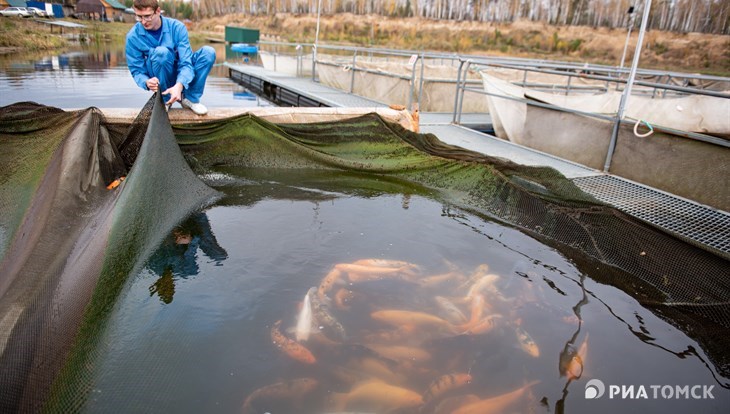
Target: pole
[629, 84]
[316, 40]
[628, 35]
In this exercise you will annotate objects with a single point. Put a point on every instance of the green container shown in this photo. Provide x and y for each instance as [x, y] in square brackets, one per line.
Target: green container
[241, 35]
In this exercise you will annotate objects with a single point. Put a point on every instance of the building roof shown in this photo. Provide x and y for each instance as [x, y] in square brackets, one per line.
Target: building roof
[89, 6]
[16, 3]
[115, 4]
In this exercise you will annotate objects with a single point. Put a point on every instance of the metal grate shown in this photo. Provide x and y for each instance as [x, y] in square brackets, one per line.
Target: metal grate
[691, 221]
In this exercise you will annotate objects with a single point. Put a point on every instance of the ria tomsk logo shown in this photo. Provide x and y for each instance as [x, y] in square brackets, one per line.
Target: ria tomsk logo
[594, 389]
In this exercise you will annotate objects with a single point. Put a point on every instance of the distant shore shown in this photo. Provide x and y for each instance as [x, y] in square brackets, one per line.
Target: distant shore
[693, 52]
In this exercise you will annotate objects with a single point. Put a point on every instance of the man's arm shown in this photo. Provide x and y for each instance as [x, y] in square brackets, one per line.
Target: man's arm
[185, 73]
[136, 63]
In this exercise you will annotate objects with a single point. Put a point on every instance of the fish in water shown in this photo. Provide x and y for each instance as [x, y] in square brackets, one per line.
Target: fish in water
[304, 319]
[322, 315]
[497, 404]
[450, 311]
[439, 279]
[401, 352]
[484, 326]
[385, 263]
[360, 273]
[292, 391]
[328, 282]
[399, 318]
[375, 367]
[478, 304]
[377, 395]
[343, 297]
[526, 343]
[449, 405]
[444, 384]
[577, 362]
[486, 283]
[291, 348]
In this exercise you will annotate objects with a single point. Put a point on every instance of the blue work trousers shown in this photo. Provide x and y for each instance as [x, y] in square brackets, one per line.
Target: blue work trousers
[162, 64]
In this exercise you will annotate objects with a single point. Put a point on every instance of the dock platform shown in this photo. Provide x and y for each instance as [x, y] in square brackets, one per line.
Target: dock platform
[704, 226]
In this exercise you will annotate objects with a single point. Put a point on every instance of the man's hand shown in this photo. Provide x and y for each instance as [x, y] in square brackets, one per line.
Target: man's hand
[153, 84]
[175, 94]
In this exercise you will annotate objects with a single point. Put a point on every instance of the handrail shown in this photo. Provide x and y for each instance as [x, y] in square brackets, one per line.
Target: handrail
[569, 70]
[486, 59]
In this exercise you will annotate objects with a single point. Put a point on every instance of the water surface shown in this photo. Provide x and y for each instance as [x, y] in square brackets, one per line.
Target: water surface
[97, 75]
[192, 331]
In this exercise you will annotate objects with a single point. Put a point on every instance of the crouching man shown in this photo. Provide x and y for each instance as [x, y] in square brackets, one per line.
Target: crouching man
[160, 58]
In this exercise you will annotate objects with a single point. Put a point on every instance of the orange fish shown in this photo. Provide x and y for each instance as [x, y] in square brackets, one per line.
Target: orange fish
[576, 364]
[342, 297]
[484, 326]
[436, 280]
[526, 342]
[495, 404]
[395, 335]
[399, 318]
[292, 390]
[478, 303]
[360, 273]
[449, 405]
[293, 349]
[377, 395]
[384, 263]
[444, 384]
[401, 352]
[114, 184]
[328, 282]
[484, 283]
[449, 310]
[377, 368]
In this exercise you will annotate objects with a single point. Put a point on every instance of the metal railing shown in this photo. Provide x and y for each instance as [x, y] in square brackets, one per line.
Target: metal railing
[664, 81]
[558, 78]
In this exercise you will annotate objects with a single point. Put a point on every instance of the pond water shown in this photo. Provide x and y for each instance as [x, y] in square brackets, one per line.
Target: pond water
[93, 75]
[192, 332]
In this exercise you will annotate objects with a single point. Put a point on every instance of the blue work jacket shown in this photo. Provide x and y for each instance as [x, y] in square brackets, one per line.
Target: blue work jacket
[174, 37]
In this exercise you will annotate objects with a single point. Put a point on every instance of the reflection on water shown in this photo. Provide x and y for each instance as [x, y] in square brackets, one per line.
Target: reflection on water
[98, 76]
[380, 301]
[177, 256]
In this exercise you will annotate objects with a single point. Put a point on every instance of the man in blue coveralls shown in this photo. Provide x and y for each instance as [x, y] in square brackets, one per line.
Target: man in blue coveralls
[160, 58]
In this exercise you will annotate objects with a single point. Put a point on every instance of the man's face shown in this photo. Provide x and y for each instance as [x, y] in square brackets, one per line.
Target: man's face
[149, 17]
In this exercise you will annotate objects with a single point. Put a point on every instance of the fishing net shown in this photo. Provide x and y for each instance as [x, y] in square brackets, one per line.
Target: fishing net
[69, 243]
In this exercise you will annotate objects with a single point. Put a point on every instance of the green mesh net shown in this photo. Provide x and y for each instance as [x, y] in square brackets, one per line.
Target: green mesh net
[68, 244]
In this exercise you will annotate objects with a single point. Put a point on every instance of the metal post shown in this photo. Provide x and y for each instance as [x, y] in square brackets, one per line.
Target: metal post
[632, 17]
[463, 91]
[300, 68]
[316, 41]
[629, 83]
[314, 63]
[458, 84]
[420, 85]
[352, 78]
[413, 84]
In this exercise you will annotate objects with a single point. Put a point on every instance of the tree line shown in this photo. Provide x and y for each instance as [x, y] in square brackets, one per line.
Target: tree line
[707, 16]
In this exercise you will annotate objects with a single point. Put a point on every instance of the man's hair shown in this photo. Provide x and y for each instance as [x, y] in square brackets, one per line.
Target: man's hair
[143, 4]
